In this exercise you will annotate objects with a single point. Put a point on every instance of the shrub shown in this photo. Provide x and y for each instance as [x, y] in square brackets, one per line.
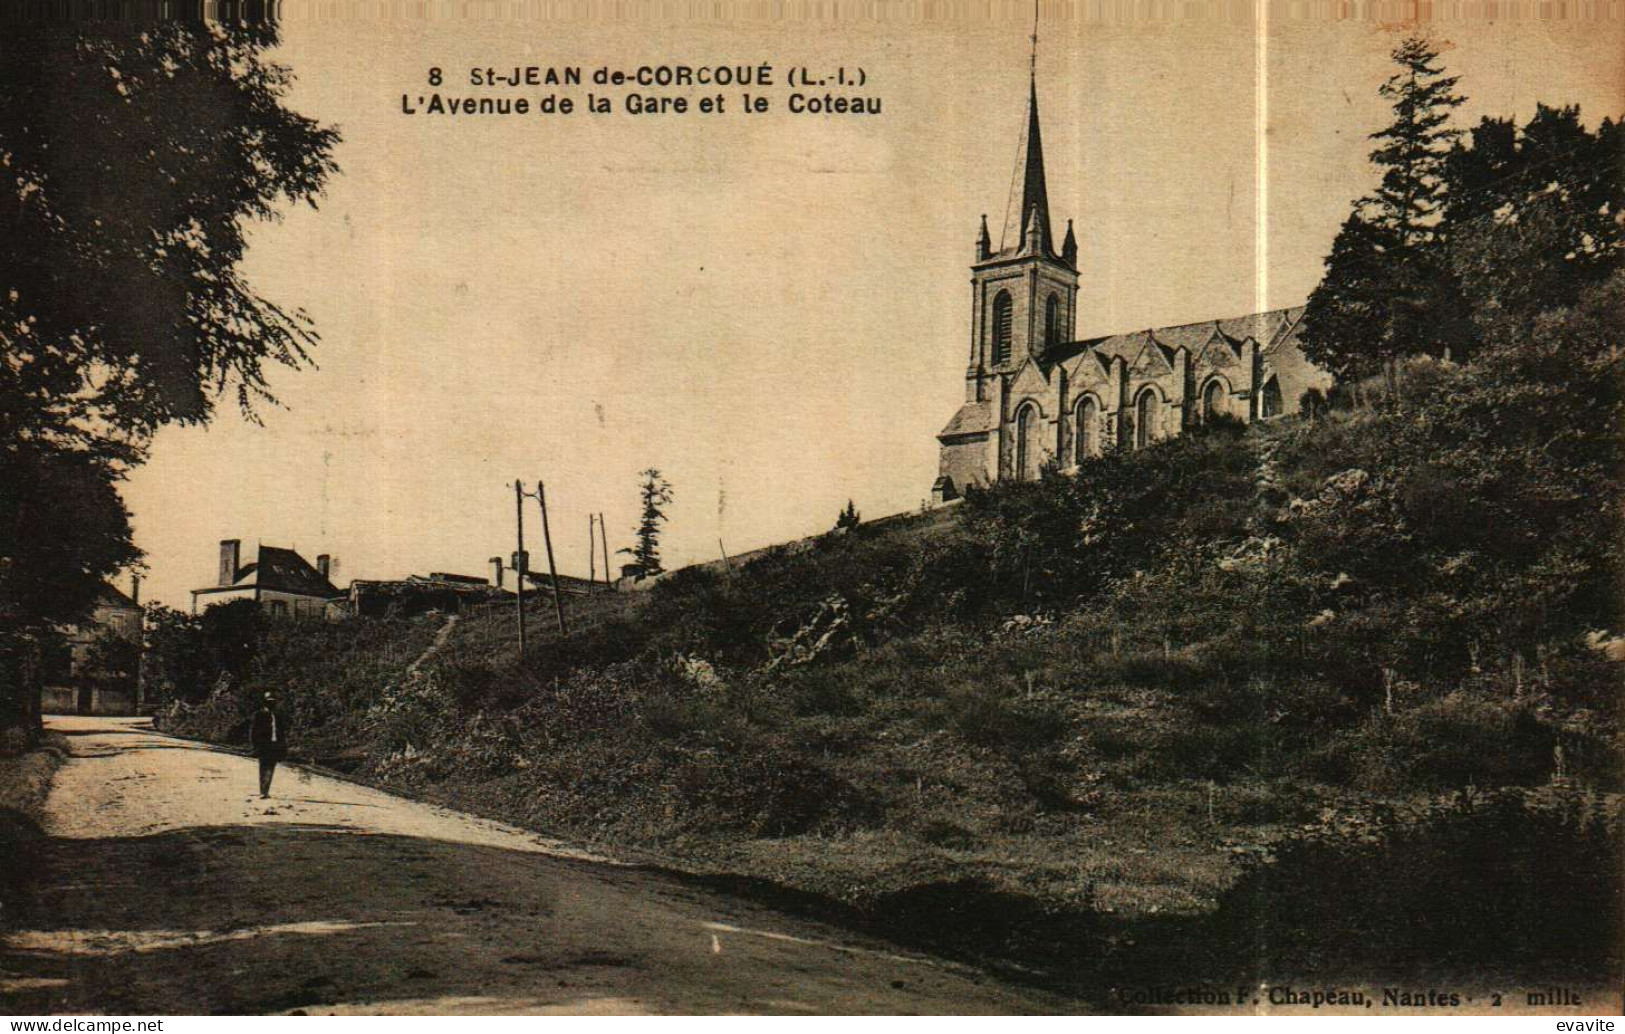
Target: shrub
[1067, 537]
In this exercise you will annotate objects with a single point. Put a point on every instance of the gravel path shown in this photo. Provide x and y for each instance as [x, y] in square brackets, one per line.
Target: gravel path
[170, 887]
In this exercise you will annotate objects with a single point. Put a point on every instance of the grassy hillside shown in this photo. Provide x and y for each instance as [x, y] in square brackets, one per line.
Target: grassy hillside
[1192, 713]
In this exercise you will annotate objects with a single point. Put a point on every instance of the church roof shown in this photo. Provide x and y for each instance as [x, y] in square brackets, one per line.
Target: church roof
[972, 418]
[1264, 327]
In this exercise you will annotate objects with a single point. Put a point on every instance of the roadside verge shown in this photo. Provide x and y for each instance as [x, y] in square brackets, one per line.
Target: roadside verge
[25, 782]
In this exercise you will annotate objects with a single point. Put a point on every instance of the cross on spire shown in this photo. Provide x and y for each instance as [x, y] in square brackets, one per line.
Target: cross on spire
[1028, 210]
[1033, 61]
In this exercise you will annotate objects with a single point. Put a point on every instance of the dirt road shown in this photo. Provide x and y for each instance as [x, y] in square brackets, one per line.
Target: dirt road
[170, 887]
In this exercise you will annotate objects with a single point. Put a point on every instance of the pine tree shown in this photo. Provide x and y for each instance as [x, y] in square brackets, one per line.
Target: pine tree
[1416, 146]
[1389, 289]
[848, 517]
[656, 496]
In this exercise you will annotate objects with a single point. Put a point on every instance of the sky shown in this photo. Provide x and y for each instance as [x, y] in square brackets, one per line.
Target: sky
[771, 309]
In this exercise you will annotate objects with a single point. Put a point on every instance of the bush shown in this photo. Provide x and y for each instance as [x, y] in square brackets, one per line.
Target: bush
[1066, 538]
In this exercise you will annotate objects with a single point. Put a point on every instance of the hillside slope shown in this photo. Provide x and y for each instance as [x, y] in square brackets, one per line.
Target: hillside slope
[1098, 725]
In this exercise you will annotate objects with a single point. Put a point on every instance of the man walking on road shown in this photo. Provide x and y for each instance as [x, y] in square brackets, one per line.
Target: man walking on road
[268, 735]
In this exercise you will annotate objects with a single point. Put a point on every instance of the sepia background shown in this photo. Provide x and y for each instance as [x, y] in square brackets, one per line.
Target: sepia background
[770, 309]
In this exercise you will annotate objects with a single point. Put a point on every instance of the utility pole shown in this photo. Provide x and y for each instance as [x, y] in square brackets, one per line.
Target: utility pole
[592, 549]
[605, 540]
[519, 561]
[553, 572]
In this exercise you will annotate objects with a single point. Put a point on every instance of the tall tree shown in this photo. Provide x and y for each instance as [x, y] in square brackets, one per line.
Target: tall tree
[1389, 290]
[141, 154]
[1414, 148]
[655, 494]
[137, 155]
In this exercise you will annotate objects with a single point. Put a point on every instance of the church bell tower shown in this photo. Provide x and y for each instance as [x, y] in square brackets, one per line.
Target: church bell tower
[1024, 293]
[1024, 300]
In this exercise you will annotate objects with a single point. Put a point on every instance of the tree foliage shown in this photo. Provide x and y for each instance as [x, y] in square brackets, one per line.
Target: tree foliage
[186, 654]
[1465, 229]
[1389, 291]
[1412, 150]
[1534, 216]
[655, 494]
[848, 518]
[137, 156]
[141, 154]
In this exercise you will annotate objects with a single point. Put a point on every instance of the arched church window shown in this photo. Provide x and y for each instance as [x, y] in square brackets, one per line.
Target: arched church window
[1052, 322]
[1001, 328]
[1213, 401]
[1087, 433]
[1272, 398]
[1027, 446]
[1145, 412]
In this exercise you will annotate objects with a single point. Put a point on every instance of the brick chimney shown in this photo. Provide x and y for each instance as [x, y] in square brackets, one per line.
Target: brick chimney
[324, 565]
[135, 589]
[496, 571]
[230, 550]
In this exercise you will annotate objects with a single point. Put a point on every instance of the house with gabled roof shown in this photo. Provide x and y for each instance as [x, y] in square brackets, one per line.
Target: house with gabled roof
[284, 583]
[1036, 393]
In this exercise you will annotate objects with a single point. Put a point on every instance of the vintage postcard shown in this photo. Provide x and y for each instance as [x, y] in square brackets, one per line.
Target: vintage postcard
[890, 507]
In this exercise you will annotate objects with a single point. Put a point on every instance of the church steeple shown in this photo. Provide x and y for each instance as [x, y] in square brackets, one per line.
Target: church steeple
[1034, 190]
[1025, 290]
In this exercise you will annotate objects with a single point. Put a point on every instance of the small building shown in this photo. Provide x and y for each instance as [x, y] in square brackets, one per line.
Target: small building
[94, 667]
[449, 593]
[417, 594]
[281, 581]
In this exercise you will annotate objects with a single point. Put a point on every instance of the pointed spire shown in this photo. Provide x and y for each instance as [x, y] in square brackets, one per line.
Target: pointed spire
[984, 243]
[1034, 191]
[1069, 247]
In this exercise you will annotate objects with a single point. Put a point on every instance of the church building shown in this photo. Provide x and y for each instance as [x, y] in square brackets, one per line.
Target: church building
[1036, 393]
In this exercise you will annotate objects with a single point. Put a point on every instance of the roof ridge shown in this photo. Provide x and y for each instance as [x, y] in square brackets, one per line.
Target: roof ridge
[1094, 340]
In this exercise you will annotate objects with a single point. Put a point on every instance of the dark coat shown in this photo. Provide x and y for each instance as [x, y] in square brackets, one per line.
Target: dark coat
[268, 733]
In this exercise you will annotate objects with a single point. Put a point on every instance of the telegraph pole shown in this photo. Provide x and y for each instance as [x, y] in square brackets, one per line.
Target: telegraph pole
[553, 571]
[592, 549]
[605, 540]
[519, 561]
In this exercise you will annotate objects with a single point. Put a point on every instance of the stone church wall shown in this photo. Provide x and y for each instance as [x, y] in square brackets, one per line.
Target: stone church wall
[1295, 373]
[964, 461]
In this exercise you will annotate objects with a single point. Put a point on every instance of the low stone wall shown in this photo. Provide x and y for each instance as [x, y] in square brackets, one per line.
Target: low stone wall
[98, 700]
